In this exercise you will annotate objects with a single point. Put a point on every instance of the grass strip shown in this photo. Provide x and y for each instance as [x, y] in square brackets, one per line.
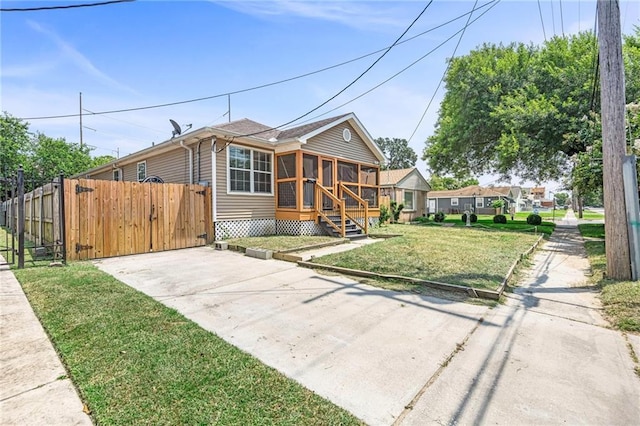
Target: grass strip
[135, 361]
[460, 256]
[620, 299]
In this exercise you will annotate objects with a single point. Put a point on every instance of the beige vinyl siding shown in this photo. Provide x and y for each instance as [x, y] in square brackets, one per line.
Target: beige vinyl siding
[106, 175]
[331, 143]
[234, 206]
[205, 162]
[413, 181]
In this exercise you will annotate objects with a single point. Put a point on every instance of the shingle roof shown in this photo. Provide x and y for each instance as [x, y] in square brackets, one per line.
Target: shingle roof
[304, 129]
[468, 191]
[392, 177]
[249, 127]
[262, 131]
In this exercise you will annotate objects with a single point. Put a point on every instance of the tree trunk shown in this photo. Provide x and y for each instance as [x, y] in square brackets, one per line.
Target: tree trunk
[613, 140]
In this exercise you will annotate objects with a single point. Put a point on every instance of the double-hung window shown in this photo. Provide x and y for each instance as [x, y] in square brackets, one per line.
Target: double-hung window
[250, 170]
[142, 171]
[409, 202]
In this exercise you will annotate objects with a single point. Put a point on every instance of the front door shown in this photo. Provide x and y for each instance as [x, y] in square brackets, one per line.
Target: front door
[327, 181]
[432, 206]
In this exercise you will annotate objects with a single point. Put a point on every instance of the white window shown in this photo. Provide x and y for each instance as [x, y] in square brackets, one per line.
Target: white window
[454, 201]
[249, 171]
[142, 171]
[409, 202]
[479, 202]
[117, 174]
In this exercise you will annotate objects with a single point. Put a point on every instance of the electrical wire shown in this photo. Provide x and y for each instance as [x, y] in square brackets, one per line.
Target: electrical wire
[553, 19]
[69, 6]
[443, 75]
[122, 121]
[561, 18]
[544, 33]
[494, 3]
[262, 86]
[596, 65]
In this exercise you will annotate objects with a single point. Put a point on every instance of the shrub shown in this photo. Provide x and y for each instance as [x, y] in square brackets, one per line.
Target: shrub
[384, 214]
[474, 218]
[422, 219]
[497, 204]
[534, 219]
[439, 217]
[395, 211]
[499, 218]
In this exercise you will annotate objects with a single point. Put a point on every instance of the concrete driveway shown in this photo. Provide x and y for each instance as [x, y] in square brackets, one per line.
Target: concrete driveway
[368, 350]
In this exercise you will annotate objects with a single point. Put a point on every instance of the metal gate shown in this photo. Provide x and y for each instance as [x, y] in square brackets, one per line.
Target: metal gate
[32, 223]
[110, 218]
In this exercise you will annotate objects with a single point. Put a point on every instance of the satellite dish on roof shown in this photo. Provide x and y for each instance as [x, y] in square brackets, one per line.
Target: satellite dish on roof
[176, 129]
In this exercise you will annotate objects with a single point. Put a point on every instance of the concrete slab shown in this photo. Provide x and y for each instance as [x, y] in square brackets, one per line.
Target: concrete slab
[364, 348]
[33, 384]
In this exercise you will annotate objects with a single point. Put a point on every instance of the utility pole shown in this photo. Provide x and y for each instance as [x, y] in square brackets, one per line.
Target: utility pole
[80, 120]
[613, 140]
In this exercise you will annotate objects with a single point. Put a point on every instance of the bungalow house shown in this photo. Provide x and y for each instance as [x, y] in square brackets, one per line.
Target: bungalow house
[472, 198]
[299, 181]
[407, 187]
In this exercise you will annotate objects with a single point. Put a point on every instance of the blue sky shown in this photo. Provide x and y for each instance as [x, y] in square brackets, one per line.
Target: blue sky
[151, 52]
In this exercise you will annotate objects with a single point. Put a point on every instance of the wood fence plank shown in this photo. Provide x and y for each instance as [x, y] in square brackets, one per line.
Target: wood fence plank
[146, 204]
[127, 223]
[157, 229]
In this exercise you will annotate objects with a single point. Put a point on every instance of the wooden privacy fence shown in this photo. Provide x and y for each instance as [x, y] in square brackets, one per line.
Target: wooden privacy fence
[110, 218]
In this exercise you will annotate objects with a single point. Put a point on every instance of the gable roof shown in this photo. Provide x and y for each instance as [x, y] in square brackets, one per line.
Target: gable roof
[392, 177]
[469, 191]
[251, 132]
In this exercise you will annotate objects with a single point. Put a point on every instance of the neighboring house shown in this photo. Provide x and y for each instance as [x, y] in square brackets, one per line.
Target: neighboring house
[472, 198]
[407, 187]
[267, 181]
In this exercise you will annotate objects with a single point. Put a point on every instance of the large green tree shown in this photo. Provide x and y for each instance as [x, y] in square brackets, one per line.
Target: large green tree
[14, 143]
[398, 153]
[517, 110]
[443, 183]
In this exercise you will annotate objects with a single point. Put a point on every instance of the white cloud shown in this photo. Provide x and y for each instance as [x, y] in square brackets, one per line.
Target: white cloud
[79, 59]
[352, 14]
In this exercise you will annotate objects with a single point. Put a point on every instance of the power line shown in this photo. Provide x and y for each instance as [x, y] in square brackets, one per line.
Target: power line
[493, 4]
[561, 18]
[68, 6]
[553, 19]
[443, 75]
[596, 64]
[122, 121]
[542, 21]
[262, 86]
[343, 89]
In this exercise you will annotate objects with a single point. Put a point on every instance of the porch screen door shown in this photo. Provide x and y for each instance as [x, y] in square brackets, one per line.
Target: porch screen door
[327, 182]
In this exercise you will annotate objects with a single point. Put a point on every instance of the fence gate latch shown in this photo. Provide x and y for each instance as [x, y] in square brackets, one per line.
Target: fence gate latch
[203, 192]
[80, 247]
[80, 189]
[202, 236]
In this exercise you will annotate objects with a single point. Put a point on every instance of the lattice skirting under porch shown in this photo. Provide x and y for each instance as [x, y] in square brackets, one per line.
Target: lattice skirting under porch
[298, 227]
[244, 228]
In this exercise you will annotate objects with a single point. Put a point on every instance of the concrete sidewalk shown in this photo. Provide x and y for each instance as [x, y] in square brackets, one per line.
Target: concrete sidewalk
[550, 360]
[34, 388]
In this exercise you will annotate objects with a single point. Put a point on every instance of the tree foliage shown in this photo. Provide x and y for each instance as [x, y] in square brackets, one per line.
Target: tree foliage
[519, 110]
[42, 157]
[398, 153]
[443, 183]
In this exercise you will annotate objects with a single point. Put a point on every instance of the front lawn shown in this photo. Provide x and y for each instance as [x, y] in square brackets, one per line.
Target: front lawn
[453, 255]
[486, 221]
[135, 361]
[592, 230]
[591, 215]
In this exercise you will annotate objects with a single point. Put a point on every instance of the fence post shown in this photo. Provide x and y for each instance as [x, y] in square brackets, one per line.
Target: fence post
[63, 232]
[20, 218]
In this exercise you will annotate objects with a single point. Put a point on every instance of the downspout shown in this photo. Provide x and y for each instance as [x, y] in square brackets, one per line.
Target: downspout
[190, 160]
[198, 159]
[214, 186]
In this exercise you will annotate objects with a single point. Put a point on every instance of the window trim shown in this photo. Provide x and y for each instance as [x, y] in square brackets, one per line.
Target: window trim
[480, 203]
[138, 170]
[404, 198]
[113, 172]
[455, 201]
[252, 171]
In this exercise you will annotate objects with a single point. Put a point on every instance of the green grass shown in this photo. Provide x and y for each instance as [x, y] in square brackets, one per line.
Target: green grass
[591, 215]
[280, 242]
[485, 221]
[559, 214]
[620, 299]
[135, 361]
[29, 260]
[592, 230]
[453, 255]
